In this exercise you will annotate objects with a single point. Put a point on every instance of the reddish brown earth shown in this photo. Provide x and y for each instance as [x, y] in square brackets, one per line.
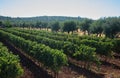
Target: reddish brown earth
[108, 69]
[27, 73]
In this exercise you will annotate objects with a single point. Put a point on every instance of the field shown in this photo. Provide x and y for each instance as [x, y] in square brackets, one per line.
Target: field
[47, 54]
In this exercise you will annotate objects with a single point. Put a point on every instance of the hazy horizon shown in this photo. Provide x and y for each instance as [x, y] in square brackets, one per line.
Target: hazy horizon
[93, 9]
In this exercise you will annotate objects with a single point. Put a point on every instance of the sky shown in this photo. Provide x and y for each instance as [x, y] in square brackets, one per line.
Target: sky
[84, 8]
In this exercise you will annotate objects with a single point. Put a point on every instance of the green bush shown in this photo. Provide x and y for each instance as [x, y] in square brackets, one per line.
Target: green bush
[9, 64]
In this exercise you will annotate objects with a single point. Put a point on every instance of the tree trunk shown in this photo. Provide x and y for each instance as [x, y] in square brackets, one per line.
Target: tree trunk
[55, 74]
[88, 33]
[100, 35]
[84, 33]
[47, 29]
[72, 32]
[68, 32]
[97, 35]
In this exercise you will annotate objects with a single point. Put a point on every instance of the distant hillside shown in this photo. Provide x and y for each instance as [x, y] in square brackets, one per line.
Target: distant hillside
[41, 18]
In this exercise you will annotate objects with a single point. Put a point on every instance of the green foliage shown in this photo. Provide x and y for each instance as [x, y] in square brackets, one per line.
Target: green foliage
[55, 26]
[51, 58]
[47, 19]
[1, 23]
[97, 27]
[87, 54]
[112, 27]
[9, 64]
[109, 26]
[7, 24]
[69, 26]
[103, 48]
[71, 42]
[74, 46]
[116, 47]
[70, 49]
[84, 26]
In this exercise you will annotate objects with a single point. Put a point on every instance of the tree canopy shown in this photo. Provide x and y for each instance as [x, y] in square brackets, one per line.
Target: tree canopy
[69, 26]
[112, 27]
[84, 26]
[55, 26]
[97, 27]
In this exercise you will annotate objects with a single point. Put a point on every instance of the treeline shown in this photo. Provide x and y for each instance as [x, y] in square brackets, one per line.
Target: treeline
[20, 20]
[110, 27]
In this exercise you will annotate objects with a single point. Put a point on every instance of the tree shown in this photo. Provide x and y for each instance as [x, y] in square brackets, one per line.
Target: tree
[84, 26]
[8, 24]
[41, 24]
[55, 26]
[97, 27]
[1, 24]
[44, 24]
[112, 27]
[69, 26]
[38, 25]
[23, 25]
